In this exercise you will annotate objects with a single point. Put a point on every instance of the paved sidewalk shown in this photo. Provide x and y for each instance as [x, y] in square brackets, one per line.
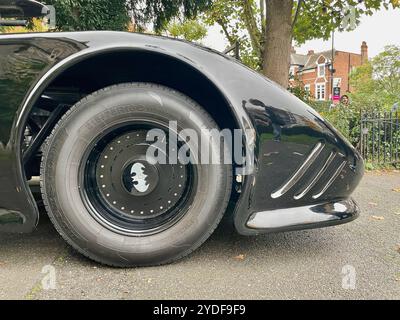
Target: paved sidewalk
[304, 264]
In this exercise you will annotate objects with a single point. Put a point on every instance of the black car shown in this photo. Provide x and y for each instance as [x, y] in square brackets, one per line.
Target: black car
[78, 110]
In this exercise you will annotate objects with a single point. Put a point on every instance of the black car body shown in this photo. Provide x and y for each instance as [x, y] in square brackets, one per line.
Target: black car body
[302, 173]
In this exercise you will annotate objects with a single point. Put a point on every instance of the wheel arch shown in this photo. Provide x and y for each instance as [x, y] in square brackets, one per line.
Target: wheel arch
[226, 115]
[220, 108]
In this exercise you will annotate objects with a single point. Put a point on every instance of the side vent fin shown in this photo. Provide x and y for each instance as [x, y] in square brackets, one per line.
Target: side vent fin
[299, 172]
[316, 177]
[331, 180]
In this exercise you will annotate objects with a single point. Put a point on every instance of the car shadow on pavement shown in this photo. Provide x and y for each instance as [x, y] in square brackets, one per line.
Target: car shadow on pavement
[224, 245]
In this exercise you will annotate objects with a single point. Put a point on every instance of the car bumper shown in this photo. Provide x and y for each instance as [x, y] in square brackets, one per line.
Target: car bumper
[305, 217]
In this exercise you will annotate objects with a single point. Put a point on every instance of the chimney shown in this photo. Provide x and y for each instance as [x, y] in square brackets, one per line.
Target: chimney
[310, 52]
[364, 52]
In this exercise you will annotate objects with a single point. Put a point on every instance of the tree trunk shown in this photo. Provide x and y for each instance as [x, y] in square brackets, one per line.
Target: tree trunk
[278, 40]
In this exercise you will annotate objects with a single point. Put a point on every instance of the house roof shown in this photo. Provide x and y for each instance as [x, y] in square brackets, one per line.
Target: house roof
[298, 59]
[305, 61]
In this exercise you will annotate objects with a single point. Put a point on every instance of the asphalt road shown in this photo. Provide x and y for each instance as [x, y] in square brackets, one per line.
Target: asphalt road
[296, 265]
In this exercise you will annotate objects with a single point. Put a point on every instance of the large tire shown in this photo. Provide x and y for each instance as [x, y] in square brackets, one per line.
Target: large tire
[66, 201]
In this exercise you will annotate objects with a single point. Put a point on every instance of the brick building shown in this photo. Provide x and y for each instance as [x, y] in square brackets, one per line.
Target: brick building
[313, 71]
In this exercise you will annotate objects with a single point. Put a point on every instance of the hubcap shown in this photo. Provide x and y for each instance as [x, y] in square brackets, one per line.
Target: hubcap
[129, 193]
[140, 177]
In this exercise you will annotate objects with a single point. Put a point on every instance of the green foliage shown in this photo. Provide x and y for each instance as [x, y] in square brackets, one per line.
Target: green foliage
[35, 25]
[297, 88]
[245, 20]
[317, 19]
[300, 93]
[386, 72]
[79, 15]
[372, 166]
[376, 87]
[345, 118]
[190, 30]
[376, 84]
[248, 56]
[232, 17]
[160, 12]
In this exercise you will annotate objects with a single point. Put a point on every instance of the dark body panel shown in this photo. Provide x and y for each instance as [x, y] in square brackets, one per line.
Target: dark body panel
[283, 129]
[22, 64]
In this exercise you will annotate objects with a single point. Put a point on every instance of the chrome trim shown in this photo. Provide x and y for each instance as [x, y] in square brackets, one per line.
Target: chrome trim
[333, 178]
[299, 172]
[317, 176]
[317, 215]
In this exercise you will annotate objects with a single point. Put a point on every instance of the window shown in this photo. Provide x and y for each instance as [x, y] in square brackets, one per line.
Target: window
[321, 70]
[337, 82]
[320, 91]
[307, 88]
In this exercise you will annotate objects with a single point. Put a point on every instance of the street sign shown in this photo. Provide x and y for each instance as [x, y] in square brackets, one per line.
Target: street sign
[336, 94]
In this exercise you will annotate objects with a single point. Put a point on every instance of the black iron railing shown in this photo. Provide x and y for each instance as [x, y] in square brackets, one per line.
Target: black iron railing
[380, 137]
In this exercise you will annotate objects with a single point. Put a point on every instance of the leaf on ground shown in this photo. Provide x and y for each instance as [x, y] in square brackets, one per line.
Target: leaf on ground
[372, 204]
[377, 217]
[240, 257]
[396, 189]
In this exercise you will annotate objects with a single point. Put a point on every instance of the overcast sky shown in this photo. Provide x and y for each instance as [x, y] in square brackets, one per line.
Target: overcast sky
[383, 28]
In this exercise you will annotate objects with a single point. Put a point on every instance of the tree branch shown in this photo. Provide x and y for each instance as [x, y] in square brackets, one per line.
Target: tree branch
[262, 17]
[252, 28]
[296, 15]
[225, 30]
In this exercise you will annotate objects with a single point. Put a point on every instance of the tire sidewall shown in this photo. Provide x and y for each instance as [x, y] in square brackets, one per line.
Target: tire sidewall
[70, 141]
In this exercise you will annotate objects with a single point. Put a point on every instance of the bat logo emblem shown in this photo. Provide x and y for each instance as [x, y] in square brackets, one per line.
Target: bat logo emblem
[139, 178]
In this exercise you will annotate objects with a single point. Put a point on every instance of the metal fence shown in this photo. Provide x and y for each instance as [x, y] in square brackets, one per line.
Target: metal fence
[380, 137]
